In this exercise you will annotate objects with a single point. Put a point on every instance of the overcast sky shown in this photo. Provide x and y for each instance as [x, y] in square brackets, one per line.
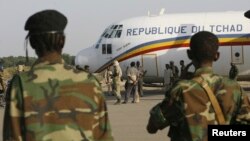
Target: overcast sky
[87, 19]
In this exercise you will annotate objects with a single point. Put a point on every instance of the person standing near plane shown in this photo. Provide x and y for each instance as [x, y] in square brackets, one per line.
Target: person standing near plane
[182, 68]
[53, 101]
[117, 74]
[175, 72]
[186, 74]
[132, 74]
[187, 107]
[233, 72]
[108, 79]
[2, 86]
[141, 73]
[167, 75]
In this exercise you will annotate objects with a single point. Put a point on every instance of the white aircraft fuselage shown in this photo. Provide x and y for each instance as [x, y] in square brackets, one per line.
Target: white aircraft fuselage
[157, 40]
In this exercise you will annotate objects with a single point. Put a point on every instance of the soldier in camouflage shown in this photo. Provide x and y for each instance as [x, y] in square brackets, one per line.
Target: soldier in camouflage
[187, 109]
[54, 101]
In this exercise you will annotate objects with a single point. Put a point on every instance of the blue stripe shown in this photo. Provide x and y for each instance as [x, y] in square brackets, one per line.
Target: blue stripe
[233, 35]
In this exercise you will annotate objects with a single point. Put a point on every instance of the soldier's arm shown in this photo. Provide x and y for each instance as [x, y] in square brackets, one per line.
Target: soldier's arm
[243, 115]
[102, 132]
[13, 128]
[156, 120]
[104, 123]
[168, 112]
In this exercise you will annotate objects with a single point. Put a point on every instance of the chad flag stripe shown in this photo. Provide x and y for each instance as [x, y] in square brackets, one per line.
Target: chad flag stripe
[179, 42]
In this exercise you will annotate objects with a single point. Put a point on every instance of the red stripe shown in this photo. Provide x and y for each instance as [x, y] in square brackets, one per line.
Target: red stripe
[234, 43]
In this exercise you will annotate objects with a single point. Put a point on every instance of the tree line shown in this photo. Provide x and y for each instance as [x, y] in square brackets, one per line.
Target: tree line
[12, 61]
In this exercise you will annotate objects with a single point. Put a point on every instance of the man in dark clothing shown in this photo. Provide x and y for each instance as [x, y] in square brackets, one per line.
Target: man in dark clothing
[233, 73]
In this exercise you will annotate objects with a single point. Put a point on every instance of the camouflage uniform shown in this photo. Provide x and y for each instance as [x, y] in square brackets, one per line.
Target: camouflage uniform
[54, 102]
[187, 108]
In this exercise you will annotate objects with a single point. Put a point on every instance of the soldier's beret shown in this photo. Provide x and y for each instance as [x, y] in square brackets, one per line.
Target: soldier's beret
[46, 20]
[247, 14]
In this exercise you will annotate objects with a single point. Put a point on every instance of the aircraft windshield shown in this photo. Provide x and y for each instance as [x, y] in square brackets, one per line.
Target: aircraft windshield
[114, 31]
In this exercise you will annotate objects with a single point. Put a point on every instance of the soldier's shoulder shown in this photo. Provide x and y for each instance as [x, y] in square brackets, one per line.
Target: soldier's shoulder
[183, 84]
[230, 82]
[90, 78]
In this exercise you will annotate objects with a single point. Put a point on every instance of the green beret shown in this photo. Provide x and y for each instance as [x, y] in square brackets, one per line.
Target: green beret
[45, 21]
[247, 14]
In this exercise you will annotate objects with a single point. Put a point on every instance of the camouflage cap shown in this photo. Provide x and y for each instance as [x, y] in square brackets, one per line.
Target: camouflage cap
[46, 20]
[247, 14]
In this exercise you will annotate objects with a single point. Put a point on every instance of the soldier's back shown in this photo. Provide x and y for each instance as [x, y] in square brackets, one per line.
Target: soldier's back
[61, 103]
[198, 109]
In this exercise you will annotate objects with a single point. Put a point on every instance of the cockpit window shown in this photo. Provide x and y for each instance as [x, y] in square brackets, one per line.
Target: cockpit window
[115, 26]
[113, 34]
[114, 31]
[106, 48]
[109, 49]
[105, 31]
[118, 34]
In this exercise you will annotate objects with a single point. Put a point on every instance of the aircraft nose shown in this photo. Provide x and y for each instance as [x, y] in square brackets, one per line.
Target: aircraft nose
[88, 57]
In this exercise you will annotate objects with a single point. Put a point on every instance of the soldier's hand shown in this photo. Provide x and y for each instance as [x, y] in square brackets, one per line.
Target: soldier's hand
[150, 127]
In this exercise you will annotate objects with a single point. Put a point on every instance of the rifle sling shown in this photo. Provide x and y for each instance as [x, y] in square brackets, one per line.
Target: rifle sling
[215, 104]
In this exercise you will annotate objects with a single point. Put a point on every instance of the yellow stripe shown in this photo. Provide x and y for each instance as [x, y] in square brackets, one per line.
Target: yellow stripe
[231, 40]
[154, 46]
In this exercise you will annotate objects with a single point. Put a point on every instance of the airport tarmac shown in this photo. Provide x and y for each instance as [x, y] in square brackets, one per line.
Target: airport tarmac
[128, 121]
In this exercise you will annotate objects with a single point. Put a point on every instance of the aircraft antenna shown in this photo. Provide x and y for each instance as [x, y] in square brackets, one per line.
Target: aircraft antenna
[162, 12]
[149, 13]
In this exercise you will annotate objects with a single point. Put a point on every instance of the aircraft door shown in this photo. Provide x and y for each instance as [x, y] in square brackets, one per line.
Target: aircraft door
[237, 55]
[150, 64]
